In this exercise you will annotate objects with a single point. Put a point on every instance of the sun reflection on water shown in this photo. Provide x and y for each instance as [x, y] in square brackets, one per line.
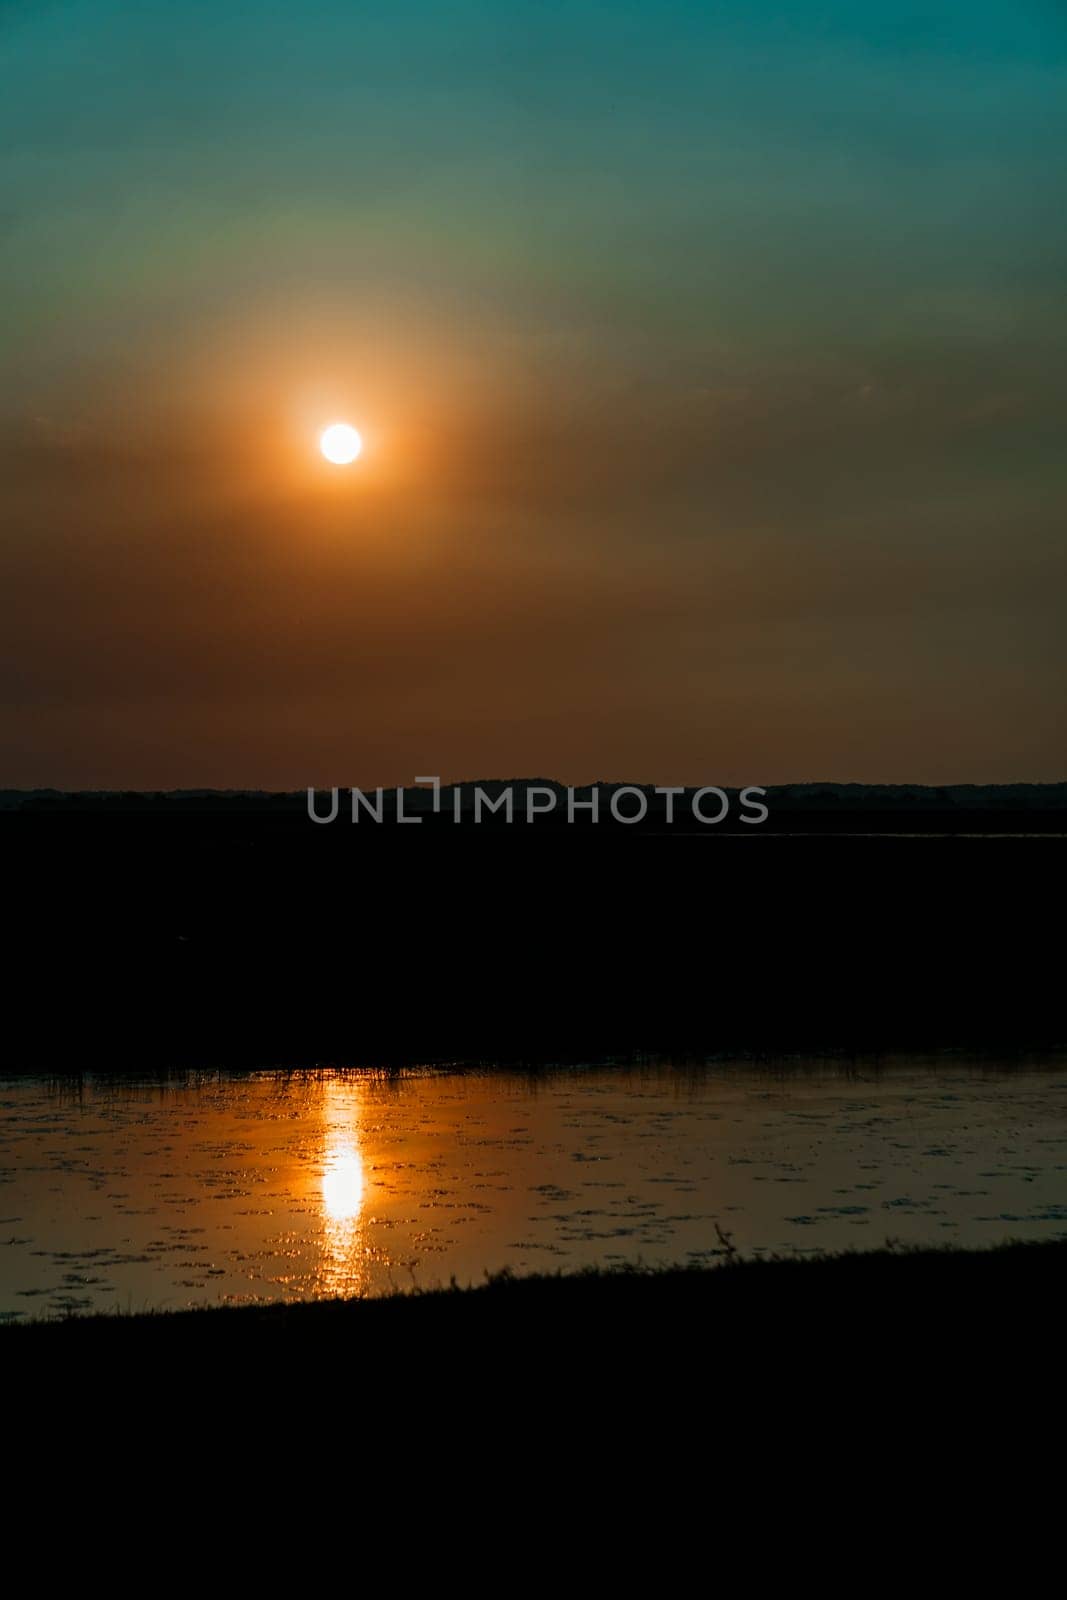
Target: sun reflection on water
[343, 1263]
[342, 1184]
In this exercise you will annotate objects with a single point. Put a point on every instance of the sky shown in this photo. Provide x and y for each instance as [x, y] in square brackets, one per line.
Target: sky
[709, 361]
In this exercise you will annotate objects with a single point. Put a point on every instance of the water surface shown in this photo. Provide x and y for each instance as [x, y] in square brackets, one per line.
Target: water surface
[129, 1195]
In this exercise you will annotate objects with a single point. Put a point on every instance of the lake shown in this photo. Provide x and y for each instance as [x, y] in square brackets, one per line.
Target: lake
[120, 1194]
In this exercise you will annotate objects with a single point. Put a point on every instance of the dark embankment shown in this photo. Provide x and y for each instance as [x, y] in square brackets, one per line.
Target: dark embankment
[937, 1306]
[871, 1379]
[155, 933]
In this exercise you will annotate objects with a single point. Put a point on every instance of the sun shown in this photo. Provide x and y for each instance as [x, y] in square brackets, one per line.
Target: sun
[340, 443]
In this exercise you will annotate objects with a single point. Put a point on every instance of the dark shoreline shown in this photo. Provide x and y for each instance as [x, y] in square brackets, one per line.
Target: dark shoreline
[886, 1292]
[208, 932]
[772, 1066]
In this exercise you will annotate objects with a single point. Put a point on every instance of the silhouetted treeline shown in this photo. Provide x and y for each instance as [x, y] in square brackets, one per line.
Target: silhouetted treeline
[544, 805]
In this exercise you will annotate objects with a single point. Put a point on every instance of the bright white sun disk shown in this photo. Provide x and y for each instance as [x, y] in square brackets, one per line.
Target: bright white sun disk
[340, 444]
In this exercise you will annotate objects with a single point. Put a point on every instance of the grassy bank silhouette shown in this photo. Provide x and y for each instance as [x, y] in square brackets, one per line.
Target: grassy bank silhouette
[893, 1297]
